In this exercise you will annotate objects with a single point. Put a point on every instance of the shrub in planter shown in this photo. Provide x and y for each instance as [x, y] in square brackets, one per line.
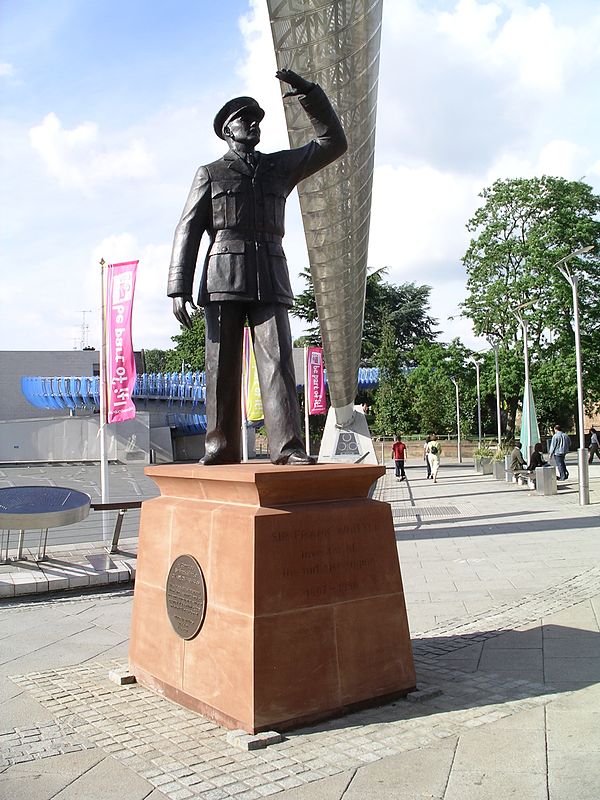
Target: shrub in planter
[482, 457]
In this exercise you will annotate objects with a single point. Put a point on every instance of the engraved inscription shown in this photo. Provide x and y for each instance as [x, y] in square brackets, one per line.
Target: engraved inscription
[186, 596]
[323, 564]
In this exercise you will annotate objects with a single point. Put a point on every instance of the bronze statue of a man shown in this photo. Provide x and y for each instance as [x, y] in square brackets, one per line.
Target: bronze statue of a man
[239, 200]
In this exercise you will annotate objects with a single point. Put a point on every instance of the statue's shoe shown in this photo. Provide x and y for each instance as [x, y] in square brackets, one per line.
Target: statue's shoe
[296, 458]
[213, 459]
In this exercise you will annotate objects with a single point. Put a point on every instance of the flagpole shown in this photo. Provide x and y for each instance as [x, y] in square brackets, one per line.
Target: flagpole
[306, 409]
[104, 489]
[245, 363]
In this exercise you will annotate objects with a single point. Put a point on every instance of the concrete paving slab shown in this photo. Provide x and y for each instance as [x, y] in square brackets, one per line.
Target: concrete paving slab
[479, 785]
[498, 751]
[584, 668]
[410, 776]
[22, 712]
[509, 659]
[573, 787]
[575, 729]
[332, 788]
[107, 780]
[43, 779]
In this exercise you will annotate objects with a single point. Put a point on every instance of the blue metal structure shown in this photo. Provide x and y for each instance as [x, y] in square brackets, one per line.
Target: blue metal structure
[184, 390]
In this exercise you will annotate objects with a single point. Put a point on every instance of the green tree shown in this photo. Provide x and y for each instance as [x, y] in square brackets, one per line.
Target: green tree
[432, 392]
[155, 360]
[404, 306]
[392, 401]
[189, 347]
[519, 233]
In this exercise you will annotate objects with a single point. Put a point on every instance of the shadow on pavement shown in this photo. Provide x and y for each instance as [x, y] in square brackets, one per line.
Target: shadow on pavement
[463, 690]
[494, 529]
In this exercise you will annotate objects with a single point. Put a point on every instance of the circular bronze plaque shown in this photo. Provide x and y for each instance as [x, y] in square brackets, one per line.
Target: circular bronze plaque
[186, 596]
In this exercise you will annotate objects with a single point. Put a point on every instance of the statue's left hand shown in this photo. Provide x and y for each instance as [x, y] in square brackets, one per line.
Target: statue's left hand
[299, 84]
[180, 309]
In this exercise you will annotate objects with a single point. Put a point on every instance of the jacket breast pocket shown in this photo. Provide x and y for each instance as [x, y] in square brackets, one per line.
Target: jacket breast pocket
[226, 271]
[274, 209]
[228, 203]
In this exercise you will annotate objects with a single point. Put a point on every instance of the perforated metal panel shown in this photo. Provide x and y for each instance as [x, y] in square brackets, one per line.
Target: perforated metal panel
[336, 44]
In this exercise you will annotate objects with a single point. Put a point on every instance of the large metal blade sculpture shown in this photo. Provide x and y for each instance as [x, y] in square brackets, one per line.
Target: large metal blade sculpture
[336, 44]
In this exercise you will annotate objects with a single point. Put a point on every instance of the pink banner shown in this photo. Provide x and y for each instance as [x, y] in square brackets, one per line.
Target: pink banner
[317, 403]
[120, 361]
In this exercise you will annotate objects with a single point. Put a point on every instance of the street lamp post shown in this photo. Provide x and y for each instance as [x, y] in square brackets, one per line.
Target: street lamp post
[477, 365]
[582, 453]
[458, 451]
[496, 348]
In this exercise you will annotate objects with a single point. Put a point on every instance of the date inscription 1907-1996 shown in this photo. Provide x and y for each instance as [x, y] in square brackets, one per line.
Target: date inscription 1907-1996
[186, 596]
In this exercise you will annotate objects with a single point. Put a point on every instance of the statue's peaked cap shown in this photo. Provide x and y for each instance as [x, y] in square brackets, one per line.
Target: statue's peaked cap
[232, 109]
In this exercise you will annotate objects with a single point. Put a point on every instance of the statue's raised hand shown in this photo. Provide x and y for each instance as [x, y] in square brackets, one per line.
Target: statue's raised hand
[299, 84]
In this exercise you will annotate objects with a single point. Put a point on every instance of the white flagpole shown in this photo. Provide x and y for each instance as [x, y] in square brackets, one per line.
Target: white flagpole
[104, 490]
[306, 414]
[243, 403]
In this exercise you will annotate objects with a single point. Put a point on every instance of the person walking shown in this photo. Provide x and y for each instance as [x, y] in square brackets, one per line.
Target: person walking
[434, 451]
[427, 464]
[594, 445]
[559, 447]
[399, 454]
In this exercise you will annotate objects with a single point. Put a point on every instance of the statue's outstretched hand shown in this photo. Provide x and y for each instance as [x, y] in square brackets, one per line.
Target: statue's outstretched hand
[180, 309]
[299, 84]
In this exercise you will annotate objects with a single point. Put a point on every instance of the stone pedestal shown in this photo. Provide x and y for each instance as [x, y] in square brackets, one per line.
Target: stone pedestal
[304, 615]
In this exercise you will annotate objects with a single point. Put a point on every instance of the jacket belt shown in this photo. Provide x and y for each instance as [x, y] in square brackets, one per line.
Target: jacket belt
[247, 236]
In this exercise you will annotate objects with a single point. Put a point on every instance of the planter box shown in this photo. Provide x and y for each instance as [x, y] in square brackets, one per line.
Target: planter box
[487, 465]
[498, 470]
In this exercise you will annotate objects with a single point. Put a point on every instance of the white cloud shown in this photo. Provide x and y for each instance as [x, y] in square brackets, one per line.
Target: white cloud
[470, 23]
[78, 159]
[537, 46]
[6, 70]
[418, 219]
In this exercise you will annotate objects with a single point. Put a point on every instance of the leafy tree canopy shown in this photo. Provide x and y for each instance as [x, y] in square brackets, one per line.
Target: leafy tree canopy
[522, 229]
[404, 307]
[188, 352]
[189, 347]
[519, 233]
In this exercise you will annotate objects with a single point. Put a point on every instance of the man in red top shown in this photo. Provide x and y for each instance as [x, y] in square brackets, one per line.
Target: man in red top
[399, 454]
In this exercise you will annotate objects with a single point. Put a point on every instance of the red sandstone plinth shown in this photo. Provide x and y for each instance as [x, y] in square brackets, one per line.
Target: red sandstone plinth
[305, 614]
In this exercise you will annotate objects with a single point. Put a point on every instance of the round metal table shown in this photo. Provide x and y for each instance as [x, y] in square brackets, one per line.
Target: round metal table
[25, 508]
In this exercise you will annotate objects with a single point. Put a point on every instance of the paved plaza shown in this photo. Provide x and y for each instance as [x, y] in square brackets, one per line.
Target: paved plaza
[503, 596]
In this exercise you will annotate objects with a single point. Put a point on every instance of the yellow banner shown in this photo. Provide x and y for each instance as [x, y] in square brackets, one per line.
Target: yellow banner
[252, 400]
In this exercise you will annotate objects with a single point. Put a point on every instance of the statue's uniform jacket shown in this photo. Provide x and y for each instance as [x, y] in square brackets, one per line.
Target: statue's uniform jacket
[242, 210]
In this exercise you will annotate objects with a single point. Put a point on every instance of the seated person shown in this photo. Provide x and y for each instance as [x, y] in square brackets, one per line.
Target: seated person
[517, 462]
[536, 459]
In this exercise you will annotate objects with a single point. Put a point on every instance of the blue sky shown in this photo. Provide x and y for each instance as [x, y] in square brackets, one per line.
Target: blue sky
[107, 111]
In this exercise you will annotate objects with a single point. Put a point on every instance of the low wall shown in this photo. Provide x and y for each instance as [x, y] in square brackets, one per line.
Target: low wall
[74, 439]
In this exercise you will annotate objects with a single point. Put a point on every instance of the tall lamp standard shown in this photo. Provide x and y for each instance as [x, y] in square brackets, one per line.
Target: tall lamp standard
[582, 453]
[496, 348]
[477, 365]
[523, 323]
[458, 452]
